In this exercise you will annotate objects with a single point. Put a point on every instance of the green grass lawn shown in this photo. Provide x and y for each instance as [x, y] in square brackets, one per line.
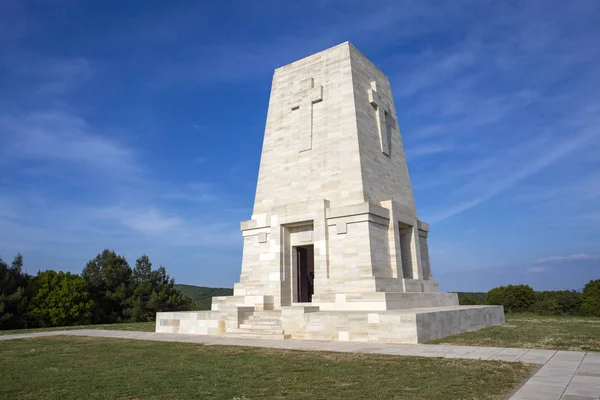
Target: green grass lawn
[128, 326]
[64, 367]
[536, 332]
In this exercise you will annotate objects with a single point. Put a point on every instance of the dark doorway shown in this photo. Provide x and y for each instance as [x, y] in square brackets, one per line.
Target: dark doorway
[305, 262]
[405, 253]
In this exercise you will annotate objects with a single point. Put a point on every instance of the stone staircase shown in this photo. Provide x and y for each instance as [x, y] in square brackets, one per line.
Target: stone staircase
[261, 325]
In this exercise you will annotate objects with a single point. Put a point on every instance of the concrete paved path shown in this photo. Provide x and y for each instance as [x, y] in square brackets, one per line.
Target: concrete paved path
[567, 375]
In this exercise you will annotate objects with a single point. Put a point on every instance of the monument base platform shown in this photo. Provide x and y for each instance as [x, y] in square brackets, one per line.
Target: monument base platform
[235, 316]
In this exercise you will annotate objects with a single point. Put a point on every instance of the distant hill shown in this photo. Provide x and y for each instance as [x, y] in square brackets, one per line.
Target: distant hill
[466, 298]
[202, 295]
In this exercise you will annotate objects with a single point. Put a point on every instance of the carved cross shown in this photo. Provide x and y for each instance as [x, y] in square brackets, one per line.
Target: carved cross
[384, 118]
[303, 102]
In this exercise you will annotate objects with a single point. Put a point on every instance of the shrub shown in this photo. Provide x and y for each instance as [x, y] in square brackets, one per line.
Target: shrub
[514, 298]
[590, 299]
[547, 306]
[558, 302]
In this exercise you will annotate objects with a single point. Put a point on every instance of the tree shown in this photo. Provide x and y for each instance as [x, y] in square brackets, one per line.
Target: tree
[153, 291]
[142, 288]
[514, 298]
[557, 302]
[108, 277]
[59, 299]
[12, 293]
[547, 305]
[590, 299]
[166, 297]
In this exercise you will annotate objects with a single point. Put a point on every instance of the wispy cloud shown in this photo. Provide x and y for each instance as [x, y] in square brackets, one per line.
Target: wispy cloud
[151, 222]
[536, 269]
[545, 159]
[572, 257]
[199, 192]
[62, 137]
[435, 70]
[428, 150]
[61, 75]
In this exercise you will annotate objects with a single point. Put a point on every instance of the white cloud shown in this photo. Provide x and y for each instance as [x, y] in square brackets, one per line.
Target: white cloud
[435, 70]
[572, 257]
[425, 150]
[200, 192]
[63, 137]
[61, 75]
[545, 158]
[536, 269]
[151, 222]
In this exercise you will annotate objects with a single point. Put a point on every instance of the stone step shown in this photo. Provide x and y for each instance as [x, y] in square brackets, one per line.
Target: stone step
[262, 327]
[252, 330]
[267, 314]
[257, 335]
[267, 320]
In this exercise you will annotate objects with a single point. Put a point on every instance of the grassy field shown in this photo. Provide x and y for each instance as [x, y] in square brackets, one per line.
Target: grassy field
[129, 326]
[533, 331]
[102, 368]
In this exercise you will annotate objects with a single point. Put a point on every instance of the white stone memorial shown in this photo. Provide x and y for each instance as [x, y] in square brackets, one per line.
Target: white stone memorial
[334, 249]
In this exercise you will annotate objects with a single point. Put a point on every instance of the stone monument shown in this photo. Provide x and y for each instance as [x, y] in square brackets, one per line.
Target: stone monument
[334, 249]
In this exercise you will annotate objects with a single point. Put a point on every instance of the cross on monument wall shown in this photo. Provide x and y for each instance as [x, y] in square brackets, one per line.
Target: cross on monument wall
[304, 100]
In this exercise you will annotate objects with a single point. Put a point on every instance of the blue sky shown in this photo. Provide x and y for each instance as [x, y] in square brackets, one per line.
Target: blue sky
[137, 126]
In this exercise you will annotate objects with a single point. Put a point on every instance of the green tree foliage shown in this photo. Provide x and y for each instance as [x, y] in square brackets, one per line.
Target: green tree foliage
[12, 293]
[59, 299]
[465, 299]
[153, 291]
[590, 299]
[166, 297]
[107, 291]
[546, 305]
[109, 280]
[558, 302]
[202, 296]
[514, 298]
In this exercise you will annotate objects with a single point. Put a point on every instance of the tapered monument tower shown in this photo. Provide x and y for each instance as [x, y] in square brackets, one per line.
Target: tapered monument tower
[334, 248]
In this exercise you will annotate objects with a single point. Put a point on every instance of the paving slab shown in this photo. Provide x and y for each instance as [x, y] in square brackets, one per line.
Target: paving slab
[537, 356]
[538, 392]
[509, 354]
[483, 353]
[577, 397]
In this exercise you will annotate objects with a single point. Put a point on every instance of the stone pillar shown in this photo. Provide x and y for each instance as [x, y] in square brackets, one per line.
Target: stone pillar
[415, 252]
[425, 255]
[394, 240]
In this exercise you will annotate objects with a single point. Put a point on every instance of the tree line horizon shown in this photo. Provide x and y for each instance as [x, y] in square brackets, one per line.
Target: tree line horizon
[108, 290]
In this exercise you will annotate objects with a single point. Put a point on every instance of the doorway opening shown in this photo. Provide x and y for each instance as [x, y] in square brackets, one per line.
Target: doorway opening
[305, 276]
[405, 253]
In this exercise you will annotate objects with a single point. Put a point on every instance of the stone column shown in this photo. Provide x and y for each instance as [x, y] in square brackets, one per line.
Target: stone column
[425, 255]
[415, 252]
